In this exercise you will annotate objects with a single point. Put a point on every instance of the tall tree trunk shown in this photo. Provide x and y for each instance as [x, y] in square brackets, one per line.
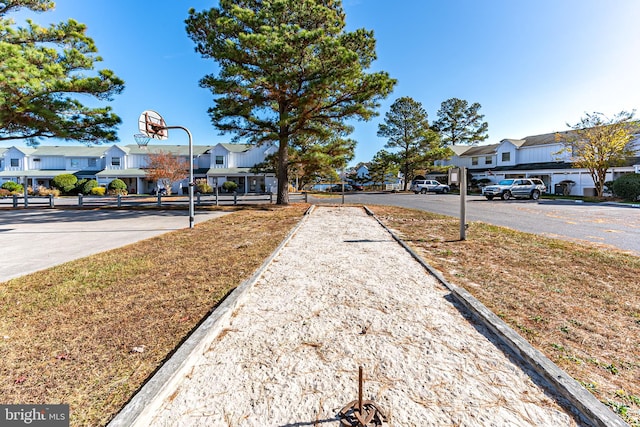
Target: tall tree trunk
[283, 168]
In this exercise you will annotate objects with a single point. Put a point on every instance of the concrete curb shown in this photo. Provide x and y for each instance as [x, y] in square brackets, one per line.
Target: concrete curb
[587, 406]
[158, 387]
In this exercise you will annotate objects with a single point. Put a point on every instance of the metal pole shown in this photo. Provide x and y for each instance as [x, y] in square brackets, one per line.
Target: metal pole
[216, 184]
[463, 203]
[192, 215]
[26, 193]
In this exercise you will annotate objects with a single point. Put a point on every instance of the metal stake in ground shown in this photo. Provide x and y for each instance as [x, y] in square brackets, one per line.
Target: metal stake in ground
[359, 413]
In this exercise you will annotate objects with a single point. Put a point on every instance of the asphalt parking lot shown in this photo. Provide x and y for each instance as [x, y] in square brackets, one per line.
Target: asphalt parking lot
[606, 225]
[36, 239]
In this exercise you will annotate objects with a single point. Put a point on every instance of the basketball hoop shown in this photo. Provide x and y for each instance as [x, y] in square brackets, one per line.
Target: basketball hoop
[141, 139]
[153, 125]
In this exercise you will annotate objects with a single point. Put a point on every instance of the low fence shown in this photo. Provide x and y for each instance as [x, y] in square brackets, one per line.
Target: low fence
[21, 201]
[159, 201]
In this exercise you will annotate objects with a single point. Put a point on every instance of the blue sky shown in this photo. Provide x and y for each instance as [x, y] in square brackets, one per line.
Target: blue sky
[534, 66]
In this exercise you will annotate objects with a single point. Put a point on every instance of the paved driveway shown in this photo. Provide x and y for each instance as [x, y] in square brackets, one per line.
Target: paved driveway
[35, 239]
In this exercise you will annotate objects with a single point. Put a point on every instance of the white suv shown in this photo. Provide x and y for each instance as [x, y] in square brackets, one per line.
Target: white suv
[428, 185]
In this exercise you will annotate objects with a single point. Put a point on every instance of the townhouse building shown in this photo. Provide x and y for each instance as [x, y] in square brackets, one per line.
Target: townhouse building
[538, 156]
[216, 163]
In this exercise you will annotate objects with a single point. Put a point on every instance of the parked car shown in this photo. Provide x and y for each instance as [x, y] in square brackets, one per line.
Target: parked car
[428, 185]
[338, 188]
[506, 189]
[162, 192]
[357, 187]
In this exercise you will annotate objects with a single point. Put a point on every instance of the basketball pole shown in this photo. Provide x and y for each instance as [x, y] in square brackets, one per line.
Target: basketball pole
[192, 214]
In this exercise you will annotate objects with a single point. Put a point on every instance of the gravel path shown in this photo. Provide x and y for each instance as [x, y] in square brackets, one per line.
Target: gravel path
[343, 294]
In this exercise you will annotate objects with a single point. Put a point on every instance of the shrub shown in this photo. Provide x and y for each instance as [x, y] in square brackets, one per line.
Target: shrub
[77, 187]
[4, 193]
[627, 186]
[203, 186]
[65, 182]
[44, 191]
[229, 186]
[98, 191]
[13, 187]
[87, 186]
[117, 186]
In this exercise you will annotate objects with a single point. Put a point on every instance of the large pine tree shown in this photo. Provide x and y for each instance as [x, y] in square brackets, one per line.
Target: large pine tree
[289, 72]
[42, 74]
[461, 123]
[407, 130]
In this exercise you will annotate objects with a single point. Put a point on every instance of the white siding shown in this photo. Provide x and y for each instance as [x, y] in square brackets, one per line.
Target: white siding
[249, 158]
[202, 161]
[506, 148]
[137, 160]
[13, 153]
[112, 153]
[540, 154]
[219, 150]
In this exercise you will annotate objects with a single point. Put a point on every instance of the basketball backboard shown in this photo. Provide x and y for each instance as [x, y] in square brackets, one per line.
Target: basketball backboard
[152, 125]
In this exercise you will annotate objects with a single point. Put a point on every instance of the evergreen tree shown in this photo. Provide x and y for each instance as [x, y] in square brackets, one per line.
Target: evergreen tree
[460, 123]
[310, 162]
[383, 165]
[407, 129]
[42, 72]
[288, 72]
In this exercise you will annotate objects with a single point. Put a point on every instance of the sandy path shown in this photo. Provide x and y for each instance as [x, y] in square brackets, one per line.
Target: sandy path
[341, 294]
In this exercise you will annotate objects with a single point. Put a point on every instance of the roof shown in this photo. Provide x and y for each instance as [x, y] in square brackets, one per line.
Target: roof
[237, 148]
[459, 150]
[25, 150]
[41, 173]
[181, 150]
[544, 139]
[69, 151]
[229, 171]
[481, 150]
[534, 166]
[122, 173]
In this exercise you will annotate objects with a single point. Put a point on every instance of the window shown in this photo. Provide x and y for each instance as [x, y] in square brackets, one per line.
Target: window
[474, 161]
[115, 161]
[506, 157]
[219, 160]
[93, 163]
[488, 160]
[15, 163]
[75, 163]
